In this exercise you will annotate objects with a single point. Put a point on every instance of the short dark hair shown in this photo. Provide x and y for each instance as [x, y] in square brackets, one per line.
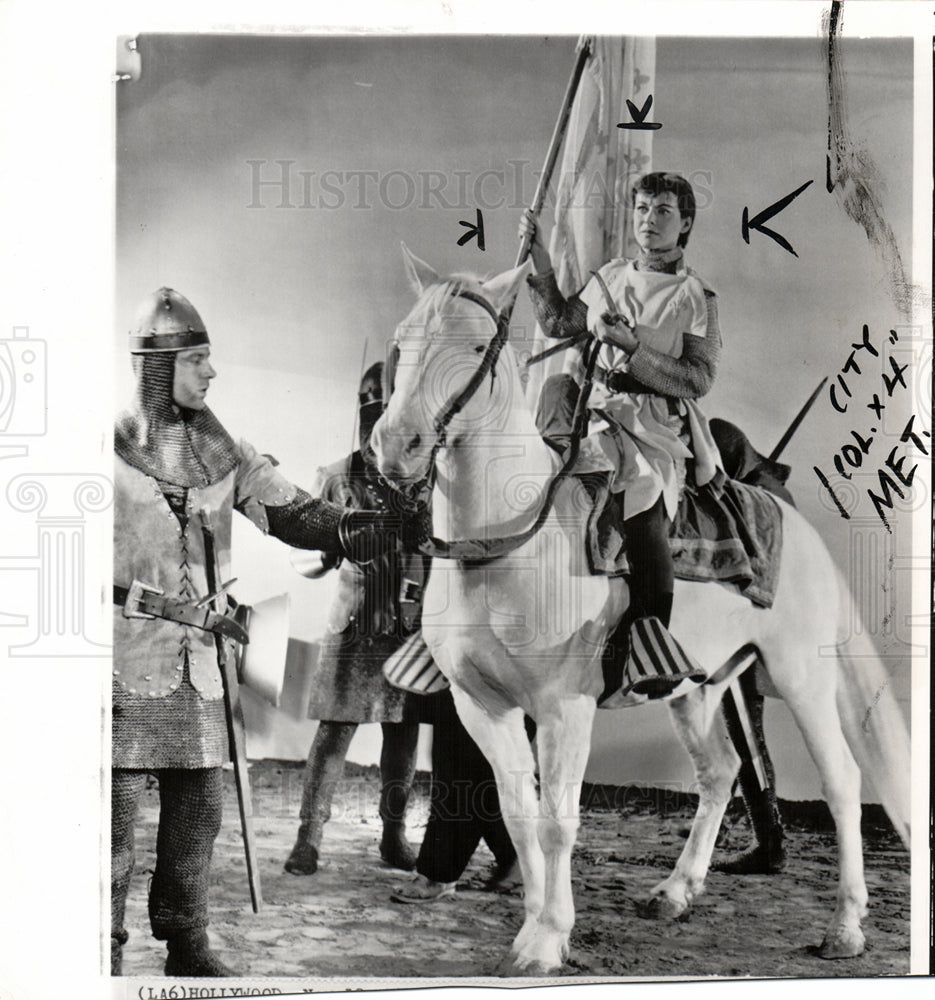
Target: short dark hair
[662, 183]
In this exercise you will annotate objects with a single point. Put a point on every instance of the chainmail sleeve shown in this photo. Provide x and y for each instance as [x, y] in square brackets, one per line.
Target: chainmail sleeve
[306, 522]
[689, 376]
[558, 316]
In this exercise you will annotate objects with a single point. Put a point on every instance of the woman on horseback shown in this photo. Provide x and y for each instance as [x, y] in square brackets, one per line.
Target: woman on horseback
[657, 322]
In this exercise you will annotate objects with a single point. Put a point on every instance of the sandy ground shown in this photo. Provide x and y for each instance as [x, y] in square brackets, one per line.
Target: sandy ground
[341, 924]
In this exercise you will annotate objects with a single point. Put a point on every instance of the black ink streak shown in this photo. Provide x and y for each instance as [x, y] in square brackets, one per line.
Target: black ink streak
[909, 435]
[888, 485]
[638, 115]
[865, 342]
[473, 229]
[746, 223]
[833, 23]
[897, 378]
[851, 364]
[827, 486]
[852, 175]
[834, 399]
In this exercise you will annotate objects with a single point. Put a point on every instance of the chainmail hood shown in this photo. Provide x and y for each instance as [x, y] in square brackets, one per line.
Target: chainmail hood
[174, 445]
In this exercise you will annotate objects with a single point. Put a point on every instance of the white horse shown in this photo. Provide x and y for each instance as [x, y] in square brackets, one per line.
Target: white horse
[523, 633]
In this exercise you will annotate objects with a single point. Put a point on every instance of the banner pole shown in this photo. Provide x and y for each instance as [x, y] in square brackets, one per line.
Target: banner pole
[558, 135]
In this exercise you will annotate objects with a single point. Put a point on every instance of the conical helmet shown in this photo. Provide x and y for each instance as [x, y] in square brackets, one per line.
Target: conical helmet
[183, 447]
[166, 321]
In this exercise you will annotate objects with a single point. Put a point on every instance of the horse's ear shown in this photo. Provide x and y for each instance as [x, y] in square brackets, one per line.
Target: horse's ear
[420, 274]
[502, 289]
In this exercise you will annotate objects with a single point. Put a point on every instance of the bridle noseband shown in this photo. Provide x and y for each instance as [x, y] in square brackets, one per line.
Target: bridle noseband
[485, 550]
[487, 366]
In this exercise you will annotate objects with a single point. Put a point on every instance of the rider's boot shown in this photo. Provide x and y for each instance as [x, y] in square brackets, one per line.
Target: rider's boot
[649, 661]
[614, 659]
[657, 664]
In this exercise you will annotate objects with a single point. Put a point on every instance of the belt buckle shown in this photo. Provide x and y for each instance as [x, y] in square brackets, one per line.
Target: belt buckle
[135, 595]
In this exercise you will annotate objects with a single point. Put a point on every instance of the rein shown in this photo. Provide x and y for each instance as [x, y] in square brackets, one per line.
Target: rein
[477, 551]
[454, 406]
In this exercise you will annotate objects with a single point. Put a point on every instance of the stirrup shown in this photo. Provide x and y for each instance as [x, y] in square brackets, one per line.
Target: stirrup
[657, 667]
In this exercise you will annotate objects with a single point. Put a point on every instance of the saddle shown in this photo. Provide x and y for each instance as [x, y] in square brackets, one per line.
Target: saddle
[726, 532]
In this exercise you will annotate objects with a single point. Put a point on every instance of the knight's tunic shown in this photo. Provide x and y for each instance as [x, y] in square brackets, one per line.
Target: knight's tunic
[167, 695]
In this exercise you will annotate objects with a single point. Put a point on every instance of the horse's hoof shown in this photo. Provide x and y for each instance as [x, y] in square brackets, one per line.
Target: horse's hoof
[842, 944]
[661, 908]
[510, 966]
[397, 852]
[303, 860]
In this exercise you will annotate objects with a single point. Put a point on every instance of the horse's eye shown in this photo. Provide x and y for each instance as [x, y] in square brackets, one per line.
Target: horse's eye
[479, 349]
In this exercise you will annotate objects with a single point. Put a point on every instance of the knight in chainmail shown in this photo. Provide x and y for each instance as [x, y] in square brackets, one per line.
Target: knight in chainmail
[376, 607]
[174, 462]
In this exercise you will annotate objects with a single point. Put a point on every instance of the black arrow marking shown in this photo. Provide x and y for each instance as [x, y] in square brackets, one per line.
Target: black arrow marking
[746, 223]
[639, 116]
[473, 230]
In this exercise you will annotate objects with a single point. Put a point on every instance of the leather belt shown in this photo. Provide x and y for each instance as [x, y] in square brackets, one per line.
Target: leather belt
[618, 381]
[148, 603]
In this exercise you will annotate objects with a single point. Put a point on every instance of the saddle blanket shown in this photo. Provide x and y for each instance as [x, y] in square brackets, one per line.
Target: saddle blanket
[733, 535]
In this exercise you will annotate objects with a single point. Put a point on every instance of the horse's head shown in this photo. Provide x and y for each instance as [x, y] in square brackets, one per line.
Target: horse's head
[443, 371]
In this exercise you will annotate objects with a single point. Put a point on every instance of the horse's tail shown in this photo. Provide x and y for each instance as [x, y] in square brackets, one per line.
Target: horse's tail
[873, 722]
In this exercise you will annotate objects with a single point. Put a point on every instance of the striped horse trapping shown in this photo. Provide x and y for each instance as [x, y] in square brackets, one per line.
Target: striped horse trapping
[412, 668]
[656, 661]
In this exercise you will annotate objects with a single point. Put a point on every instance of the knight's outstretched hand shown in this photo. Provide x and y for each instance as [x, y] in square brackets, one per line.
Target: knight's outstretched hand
[364, 535]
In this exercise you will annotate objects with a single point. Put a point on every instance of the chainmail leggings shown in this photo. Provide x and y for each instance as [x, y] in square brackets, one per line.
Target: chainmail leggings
[190, 806]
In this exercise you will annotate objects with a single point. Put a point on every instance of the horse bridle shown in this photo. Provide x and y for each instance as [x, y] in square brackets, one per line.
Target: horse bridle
[483, 550]
[487, 366]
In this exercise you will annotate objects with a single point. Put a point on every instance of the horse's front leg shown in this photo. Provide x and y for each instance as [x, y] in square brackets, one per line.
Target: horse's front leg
[701, 730]
[564, 743]
[502, 739]
[563, 740]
